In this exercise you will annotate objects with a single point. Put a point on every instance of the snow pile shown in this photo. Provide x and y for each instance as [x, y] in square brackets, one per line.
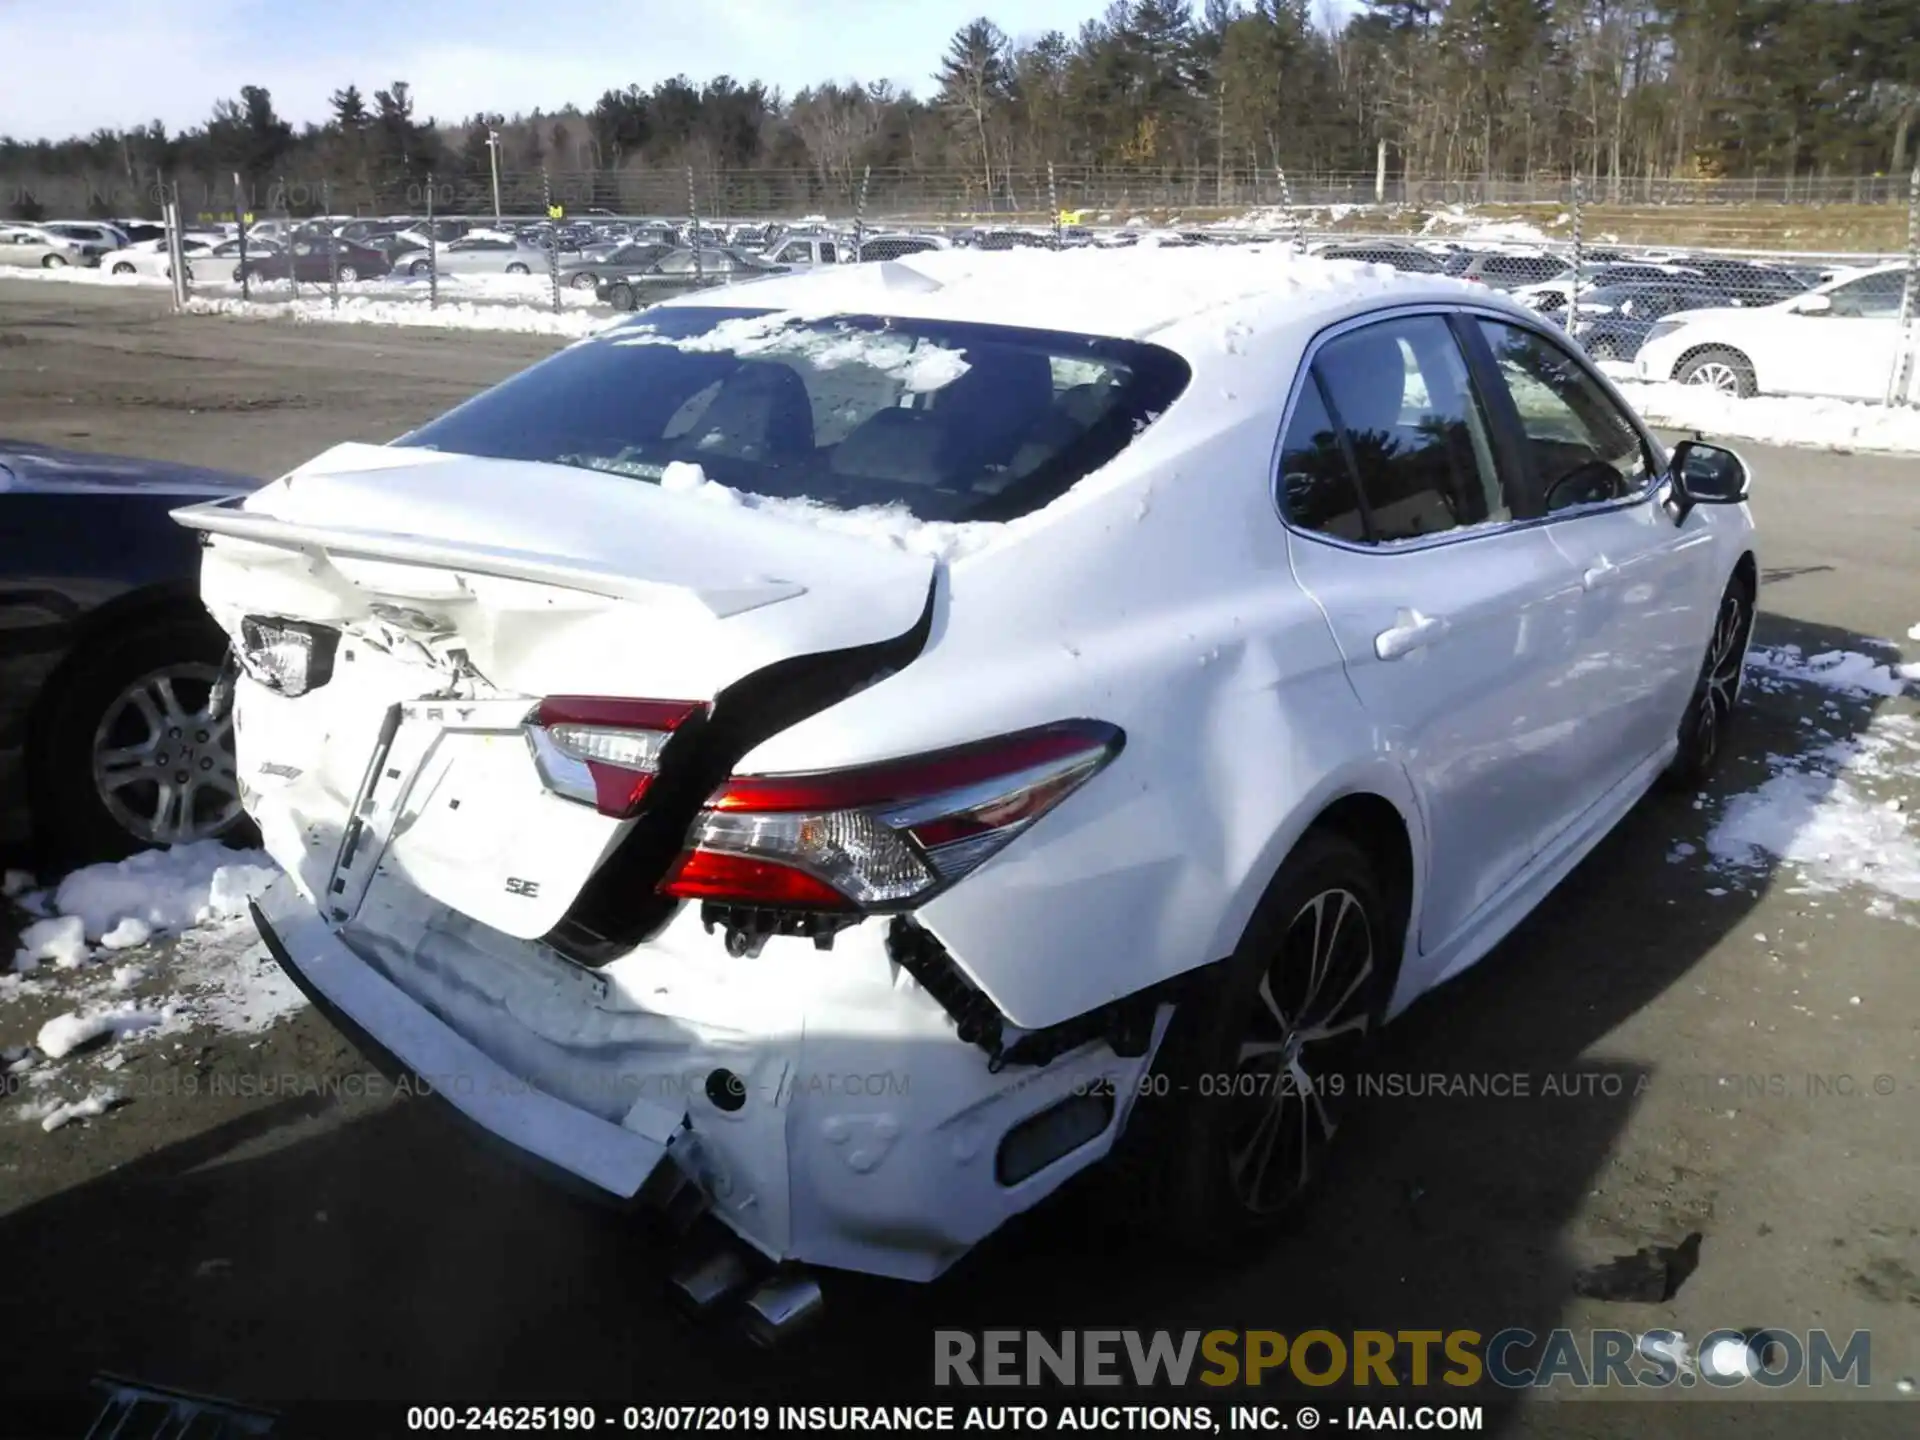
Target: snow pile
[84, 275]
[62, 940]
[1458, 223]
[160, 890]
[64, 1034]
[366, 310]
[52, 1114]
[1817, 814]
[1826, 828]
[891, 525]
[1802, 420]
[917, 366]
[1844, 670]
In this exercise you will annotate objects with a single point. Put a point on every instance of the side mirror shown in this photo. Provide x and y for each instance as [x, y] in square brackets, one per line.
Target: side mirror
[1704, 474]
[1813, 305]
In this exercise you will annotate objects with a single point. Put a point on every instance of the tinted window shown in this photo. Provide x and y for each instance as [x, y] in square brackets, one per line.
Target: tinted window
[951, 421]
[1871, 297]
[1315, 484]
[1581, 446]
[1420, 442]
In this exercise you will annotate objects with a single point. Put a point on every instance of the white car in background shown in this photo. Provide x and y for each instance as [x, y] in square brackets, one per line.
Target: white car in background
[37, 247]
[100, 237]
[854, 764]
[149, 258]
[1842, 340]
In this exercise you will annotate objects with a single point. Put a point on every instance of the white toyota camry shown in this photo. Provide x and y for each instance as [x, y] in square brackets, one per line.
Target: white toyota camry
[849, 751]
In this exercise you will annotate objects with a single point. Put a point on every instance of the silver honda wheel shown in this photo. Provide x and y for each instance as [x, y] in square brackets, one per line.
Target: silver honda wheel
[1313, 1015]
[162, 763]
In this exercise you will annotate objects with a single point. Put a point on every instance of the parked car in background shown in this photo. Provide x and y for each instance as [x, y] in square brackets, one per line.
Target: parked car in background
[317, 260]
[888, 246]
[1752, 284]
[800, 252]
[30, 245]
[480, 254]
[678, 271]
[618, 262]
[1506, 271]
[142, 257]
[1400, 257]
[1614, 320]
[1839, 340]
[1549, 297]
[212, 260]
[108, 740]
[96, 233]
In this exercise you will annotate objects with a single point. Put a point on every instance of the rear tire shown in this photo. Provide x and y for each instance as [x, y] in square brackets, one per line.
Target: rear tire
[1718, 368]
[1604, 349]
[348, 274]
[518, 269]
[1716, 694]
[122, 268]
[1229, 1139]
[585, 280]
[84, 739]
[620, 297]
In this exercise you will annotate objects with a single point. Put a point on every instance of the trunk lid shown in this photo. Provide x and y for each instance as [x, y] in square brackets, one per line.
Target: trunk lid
[464, 590]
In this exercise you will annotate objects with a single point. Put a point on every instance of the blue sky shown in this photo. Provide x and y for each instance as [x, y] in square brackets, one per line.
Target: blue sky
[71, 67]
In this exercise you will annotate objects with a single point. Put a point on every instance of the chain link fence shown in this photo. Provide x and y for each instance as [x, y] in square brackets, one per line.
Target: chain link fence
[1813, 299]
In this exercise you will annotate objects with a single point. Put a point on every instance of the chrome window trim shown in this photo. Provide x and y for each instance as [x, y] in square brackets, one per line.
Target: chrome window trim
[1656, 484]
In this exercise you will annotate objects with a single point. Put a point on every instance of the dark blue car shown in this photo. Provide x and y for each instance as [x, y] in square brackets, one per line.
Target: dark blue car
[109, 737]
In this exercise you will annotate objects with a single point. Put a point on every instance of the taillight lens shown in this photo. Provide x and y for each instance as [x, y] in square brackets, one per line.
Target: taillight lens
[883, 836]
[289, 657]
[603, 752]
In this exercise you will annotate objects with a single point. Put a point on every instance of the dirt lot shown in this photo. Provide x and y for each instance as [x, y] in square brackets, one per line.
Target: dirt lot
[1733, 1055]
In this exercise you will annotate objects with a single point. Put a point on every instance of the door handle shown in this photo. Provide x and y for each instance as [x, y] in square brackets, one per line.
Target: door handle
[1413, 631]
[1603, 571]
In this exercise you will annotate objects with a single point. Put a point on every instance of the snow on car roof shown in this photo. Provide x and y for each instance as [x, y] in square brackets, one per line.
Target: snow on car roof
[1126, 294]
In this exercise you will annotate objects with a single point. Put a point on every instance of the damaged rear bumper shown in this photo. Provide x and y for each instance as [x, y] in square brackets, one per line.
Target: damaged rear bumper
[402, 1038]
[853, 1127]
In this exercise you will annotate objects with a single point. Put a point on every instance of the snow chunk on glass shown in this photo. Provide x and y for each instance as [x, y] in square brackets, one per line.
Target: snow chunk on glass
[920, 366]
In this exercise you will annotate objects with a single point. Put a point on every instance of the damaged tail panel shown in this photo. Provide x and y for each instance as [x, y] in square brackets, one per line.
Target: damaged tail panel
[469, 715]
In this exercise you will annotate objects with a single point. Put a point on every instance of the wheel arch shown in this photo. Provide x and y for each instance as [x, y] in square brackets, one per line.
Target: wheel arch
[1376, 812]
[1693, 352]
[1747, 570]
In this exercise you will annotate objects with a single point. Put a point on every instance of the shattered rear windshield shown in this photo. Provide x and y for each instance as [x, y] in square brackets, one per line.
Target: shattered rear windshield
[952, 421]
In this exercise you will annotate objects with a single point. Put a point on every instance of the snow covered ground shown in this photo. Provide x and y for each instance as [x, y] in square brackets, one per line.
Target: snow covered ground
[1805, 421]
[131, 954]
[370, 310]
[1835, 817]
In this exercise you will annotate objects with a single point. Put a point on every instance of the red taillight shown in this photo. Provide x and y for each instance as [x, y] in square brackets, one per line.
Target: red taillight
[888, 835]
[603, 751]
[709, 875]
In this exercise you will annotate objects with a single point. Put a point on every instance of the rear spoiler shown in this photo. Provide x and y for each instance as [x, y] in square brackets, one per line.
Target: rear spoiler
[225, 518]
